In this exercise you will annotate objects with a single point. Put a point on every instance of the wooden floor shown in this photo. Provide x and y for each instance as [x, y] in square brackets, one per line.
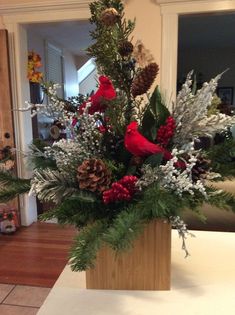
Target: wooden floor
[35, 255]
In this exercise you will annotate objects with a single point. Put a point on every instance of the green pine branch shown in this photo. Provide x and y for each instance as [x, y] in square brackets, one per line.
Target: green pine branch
[12, 186]
[87, 243]
[221, 199]
[124, 229]
[37, 158]
[222, 158]
[51, 185]
[78, 210]
[107, 39]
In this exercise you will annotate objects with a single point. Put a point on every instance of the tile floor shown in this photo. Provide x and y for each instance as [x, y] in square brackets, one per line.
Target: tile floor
[21, 299]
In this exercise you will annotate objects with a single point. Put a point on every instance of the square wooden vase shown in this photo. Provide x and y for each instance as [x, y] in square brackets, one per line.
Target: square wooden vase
[147, 266]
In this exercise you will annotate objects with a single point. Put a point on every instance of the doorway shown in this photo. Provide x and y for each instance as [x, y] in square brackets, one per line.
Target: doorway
[61, 47]
[15, 22]
[206, 45]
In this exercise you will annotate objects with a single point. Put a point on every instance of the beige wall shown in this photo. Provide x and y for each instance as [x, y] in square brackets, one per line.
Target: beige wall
[148, 22]
[12, 2]
[148, 25]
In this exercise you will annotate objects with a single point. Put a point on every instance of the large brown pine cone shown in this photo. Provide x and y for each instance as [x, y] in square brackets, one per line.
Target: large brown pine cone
[125, 48]
[109, 16]
[93, 175]
[144, 79]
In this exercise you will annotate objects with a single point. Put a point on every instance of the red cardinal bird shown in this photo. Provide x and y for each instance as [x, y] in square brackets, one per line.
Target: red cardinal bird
[138, 145]
[105, 91]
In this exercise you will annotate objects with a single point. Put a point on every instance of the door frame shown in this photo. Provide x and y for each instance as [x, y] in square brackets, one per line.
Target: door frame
[14, 18]
[170, 11]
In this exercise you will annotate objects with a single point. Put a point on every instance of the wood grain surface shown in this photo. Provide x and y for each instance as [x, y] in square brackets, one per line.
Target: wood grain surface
[6, 117]
[146, 267]
[7, 138]
[35, 255]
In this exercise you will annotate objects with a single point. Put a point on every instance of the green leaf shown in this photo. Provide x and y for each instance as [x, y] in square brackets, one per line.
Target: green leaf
[154, 116]
[149, 129]
[158, 107]
[154, 160]
[131, 170]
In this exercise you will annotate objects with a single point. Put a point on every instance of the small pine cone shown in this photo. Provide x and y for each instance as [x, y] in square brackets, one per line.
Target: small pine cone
[144, 79]
[125, 48]
[136, 160]
[200, 169]
[109, 16]
[93, 175]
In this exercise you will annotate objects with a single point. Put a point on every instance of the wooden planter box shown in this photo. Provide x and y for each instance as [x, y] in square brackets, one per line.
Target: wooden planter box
[145, 267]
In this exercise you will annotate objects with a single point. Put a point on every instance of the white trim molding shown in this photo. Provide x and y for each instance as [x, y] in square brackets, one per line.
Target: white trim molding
[170, 11]
[13, 18]
[50, 5]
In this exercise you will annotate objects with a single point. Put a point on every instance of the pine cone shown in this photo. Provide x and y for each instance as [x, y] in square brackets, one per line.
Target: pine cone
[144, 79]
[125, 48]
[109, 16]
[136, 160]
[93, 175]
[200, 169]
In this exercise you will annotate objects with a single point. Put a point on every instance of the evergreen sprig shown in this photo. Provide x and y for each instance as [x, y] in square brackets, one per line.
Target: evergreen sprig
[77, 210]
[222, 158]
[87, 243]
[221, 199]
[12, 186]
[107, 39]
[37, 158]
[124, 229]
[51, 185]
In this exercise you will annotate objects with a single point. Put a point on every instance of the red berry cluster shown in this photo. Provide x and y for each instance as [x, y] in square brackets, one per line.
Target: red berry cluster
[166, 132]
[124, 189]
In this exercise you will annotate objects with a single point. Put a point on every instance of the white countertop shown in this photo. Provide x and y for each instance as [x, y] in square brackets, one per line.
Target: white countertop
[203, 283]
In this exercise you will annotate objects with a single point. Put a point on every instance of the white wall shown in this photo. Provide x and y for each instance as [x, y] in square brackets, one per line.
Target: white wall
[89, 84]
[70, 75]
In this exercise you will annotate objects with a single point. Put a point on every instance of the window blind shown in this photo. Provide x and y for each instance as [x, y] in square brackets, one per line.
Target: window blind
[54, 71]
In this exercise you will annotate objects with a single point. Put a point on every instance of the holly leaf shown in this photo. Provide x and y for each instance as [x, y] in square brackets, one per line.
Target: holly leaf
[149, 129]
[154, 116]
[159, 108]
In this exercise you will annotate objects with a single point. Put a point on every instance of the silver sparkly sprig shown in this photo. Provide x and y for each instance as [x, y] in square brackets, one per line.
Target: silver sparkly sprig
[215, 123]
[67, 154]
[190, 111]
[86, 144]
[55, 109]
[88, 134]
[183, 232]
[180, 180]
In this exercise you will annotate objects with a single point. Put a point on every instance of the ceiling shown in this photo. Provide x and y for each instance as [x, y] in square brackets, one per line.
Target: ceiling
[204, 30]
[72, 35]
[207, 30]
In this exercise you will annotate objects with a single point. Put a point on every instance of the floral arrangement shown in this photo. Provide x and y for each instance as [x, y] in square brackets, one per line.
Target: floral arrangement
[34, 62]
[128, 158]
